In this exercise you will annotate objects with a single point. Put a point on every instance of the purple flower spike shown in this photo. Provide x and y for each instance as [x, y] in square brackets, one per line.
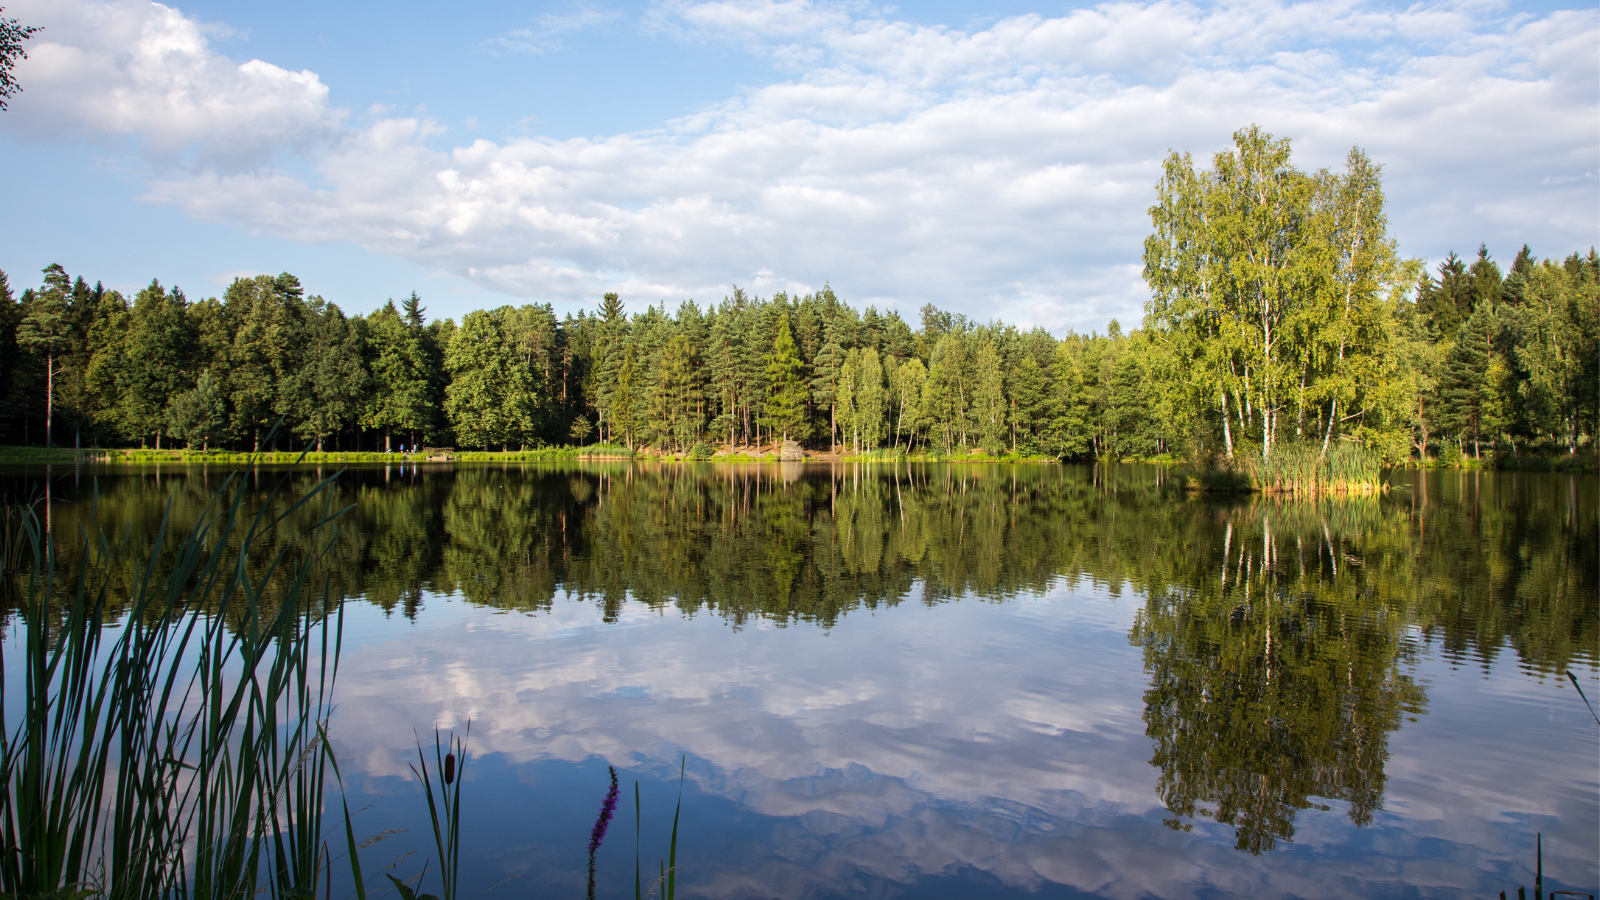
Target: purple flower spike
[607, 810]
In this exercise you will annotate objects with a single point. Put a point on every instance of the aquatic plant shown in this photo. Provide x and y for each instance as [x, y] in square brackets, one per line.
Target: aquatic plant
[666, 882]
[179, 752]
[607, 810]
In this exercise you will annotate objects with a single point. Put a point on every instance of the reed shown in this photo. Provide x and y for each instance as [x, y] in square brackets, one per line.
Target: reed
[1300, 469]
[180, 751]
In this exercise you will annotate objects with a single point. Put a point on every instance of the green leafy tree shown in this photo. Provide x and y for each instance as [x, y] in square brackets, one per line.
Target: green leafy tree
[267, 335]
[402, 391]
[871, 399]
[988, 397]
[11, 37]
[199, 414]
[945, 394]
[910, 381]
[329, 389]
[488, 397]
[156, 361]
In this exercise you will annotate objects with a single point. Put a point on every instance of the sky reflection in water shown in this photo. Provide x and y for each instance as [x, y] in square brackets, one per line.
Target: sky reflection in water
[958, 684]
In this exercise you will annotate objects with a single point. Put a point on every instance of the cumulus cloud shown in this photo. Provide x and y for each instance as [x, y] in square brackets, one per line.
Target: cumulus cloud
[999, 168]
[141, 70]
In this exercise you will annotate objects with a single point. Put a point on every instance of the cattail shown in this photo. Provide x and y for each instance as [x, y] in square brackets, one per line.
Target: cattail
[449, 768]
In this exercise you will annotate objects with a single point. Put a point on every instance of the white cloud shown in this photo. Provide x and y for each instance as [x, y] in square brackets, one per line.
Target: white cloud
[861, 744]
[1005, 168]
[141, 70]
[550, 29]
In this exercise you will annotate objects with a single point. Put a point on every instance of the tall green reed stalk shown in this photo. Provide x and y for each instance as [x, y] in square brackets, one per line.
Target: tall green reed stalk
[667, 881]
[181, 753]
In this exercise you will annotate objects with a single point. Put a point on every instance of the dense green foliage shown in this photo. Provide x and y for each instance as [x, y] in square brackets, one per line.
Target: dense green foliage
[1281, 316]
[1281, 312]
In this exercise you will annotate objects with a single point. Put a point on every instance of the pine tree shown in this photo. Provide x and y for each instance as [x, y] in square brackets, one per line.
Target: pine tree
[10, 358]
[46, 329]
[825, 382]
[625, 395]
[1029, 402]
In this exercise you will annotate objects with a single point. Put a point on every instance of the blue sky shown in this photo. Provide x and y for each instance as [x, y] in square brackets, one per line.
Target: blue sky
[996, 159]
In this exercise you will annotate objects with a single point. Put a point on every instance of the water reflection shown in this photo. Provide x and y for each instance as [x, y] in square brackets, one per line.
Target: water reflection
[1474, 561]
[1267, 659]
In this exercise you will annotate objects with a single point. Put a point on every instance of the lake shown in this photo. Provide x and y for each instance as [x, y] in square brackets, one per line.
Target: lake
[952, 681]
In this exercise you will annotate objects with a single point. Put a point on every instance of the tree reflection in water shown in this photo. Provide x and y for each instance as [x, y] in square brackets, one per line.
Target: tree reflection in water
[1277, 635]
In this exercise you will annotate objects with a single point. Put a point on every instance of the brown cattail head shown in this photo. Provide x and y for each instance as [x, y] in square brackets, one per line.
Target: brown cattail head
[449, 768]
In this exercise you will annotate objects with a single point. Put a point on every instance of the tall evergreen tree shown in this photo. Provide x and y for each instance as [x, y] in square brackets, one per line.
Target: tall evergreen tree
[46, 329]
[785, 382]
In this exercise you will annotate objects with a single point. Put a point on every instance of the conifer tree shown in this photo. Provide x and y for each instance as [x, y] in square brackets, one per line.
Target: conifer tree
[1468, 399]
[158, 365]
[784, 409]
[825, 382]
[46, 329]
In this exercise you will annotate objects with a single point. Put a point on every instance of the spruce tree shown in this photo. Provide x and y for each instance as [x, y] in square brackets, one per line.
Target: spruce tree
[786, 392]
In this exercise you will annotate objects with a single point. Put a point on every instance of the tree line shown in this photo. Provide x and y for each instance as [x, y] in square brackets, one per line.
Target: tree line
[1281, 313]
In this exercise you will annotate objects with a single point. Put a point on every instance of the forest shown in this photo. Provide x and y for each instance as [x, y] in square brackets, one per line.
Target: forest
[1281, 315]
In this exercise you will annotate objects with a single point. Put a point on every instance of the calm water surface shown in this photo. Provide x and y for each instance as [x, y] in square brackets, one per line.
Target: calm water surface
[958, 681]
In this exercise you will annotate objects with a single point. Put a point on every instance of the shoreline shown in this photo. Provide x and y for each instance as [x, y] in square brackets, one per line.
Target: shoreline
[1563, 464]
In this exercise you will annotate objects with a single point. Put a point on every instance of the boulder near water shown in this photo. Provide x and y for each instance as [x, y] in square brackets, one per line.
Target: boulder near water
[791, 452]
